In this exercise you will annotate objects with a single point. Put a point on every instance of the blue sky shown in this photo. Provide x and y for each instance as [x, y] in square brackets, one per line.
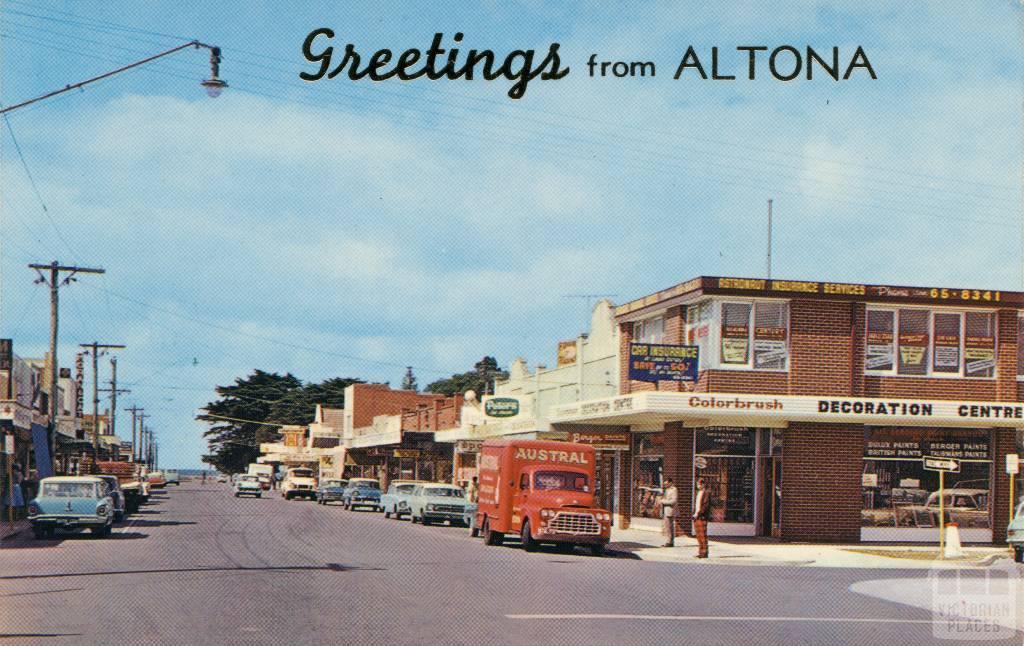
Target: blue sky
[350, 229]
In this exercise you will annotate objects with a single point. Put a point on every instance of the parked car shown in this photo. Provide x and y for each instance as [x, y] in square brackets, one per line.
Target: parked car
[172, 478]
[156, 480]
[362, 492]
[117, 495]
[966, 507]
[248, 486]
[330, 490]
[71, 502]
[396, 501]
[436, 503]
[222, 477]
[1015, 534]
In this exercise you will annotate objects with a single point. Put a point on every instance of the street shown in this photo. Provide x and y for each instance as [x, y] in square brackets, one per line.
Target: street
[198, 566]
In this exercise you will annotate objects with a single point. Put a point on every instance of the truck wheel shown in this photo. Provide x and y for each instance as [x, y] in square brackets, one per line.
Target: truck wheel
[491, 537]
[1018, 553]
[529, 544]
[597, 550]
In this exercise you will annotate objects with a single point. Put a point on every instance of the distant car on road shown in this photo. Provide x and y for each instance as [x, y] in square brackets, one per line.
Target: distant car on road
[222, 477]
[172, 478]
[396, 501]
[117, 495]
[330, 490]
[298, 483]
[248, 486]
[156, 480]
[436, 503]
[362, 492]
[71, 502]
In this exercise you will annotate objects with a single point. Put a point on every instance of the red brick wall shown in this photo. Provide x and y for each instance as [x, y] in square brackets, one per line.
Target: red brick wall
[439, 414]
[925, 388]
[821, 481]
[746, 381]
[679, 467]
[370, 400]
[1006, 356]
[821, 347]
[1004, 440]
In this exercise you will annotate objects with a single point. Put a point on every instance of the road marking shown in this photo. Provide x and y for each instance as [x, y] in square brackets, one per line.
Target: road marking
[726, 618]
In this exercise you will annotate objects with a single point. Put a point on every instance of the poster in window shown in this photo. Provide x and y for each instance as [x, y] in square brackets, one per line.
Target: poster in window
[947, 353]
[879, 354]
[912, 348]
[770, 349]
[979, 356]
[735, 343]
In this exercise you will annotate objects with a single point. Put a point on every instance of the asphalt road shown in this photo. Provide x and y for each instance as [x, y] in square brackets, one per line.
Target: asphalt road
[198, 566]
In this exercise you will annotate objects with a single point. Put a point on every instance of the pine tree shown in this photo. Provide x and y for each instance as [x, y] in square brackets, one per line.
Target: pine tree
[409, 380]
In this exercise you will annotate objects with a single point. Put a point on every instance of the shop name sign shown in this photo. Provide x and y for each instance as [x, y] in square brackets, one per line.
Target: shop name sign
[658, 362]
[919, 409]
[501, 407]
[619, 440]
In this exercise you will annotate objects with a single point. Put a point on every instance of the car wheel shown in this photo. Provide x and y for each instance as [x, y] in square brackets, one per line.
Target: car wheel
[387, 514]
[1018, 553]
[426, 521]
[236, 494]
[118, 516]
[259, 495]
[38, 533]
[529, 544]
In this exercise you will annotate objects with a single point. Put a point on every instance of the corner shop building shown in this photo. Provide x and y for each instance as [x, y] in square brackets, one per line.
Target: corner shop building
[815, 404]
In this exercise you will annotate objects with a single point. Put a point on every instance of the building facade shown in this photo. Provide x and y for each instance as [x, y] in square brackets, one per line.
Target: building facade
[815, 405]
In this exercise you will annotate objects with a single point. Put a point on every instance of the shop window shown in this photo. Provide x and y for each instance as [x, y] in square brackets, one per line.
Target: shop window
[736, 333]
[724, 457]
[648, 471]
[898, 492]
[650, 330]
[980, 344]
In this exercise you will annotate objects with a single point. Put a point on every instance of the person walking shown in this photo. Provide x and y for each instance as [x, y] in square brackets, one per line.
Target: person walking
[669, 500]
[702, 511]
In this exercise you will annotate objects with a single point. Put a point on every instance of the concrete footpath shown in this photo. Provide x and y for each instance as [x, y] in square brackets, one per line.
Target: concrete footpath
[7, 530]
[646, 545]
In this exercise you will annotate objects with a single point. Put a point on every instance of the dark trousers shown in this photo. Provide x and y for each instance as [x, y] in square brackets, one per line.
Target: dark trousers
[700, 530]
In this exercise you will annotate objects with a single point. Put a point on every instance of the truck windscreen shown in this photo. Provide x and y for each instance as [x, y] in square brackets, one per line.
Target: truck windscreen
[560, 480]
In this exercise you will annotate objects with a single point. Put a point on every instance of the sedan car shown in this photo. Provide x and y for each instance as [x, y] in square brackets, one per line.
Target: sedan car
[71, 502]
[330, 491]
[1015, 534]
[117, 495]
[396, 501]
[430, 503]
[248, 486]
[362, 492]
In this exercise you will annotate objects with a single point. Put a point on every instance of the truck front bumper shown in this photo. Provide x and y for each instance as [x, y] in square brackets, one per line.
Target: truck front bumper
[576, 539]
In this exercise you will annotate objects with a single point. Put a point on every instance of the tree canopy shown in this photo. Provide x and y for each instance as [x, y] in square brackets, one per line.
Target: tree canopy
[480, 379]
[252, 410]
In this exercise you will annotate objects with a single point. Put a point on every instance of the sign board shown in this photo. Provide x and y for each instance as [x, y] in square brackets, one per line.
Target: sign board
[501, 407]
[407, 453]
[659, 362]
[469, 446]
[601, 439]
[9, 444]
[700, 462]
[941, 464]
[869, 479]
[1012, 464]
[566, 353]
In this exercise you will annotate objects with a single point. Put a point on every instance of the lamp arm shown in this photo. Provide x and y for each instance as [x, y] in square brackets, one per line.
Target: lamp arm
[75, 86]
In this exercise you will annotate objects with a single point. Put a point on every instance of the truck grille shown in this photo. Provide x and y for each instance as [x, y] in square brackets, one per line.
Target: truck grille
[452, 509]
[574, 523]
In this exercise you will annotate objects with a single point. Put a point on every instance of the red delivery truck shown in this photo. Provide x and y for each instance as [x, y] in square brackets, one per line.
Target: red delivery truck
[542, 491]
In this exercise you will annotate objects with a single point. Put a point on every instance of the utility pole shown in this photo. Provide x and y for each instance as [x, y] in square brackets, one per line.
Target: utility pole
[143, 440]
[95, 347]
[134, 410]
[769, 239]
[54, 283]
[114, 392]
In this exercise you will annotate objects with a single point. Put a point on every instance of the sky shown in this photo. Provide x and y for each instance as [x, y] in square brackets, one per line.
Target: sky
[351, 228]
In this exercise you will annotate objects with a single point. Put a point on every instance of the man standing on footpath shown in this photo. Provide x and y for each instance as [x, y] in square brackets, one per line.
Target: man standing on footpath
[668, 513]
[702, 511]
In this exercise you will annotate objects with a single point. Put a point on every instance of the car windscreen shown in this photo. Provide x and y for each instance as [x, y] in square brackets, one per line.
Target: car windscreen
[404, 488]
[366, 485]
[446, 492]
[69, 489]
[560, 481]
[332, 484]
[302, 473]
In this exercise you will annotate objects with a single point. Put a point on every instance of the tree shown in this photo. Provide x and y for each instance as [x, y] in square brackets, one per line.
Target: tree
[481, 379]
[409, 380]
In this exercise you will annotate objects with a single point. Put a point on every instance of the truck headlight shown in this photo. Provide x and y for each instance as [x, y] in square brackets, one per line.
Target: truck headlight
[604, 517]
[547, 513]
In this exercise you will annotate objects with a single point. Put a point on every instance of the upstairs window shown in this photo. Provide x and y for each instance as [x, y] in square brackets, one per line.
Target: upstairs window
[650, 330]
[1020, 345]
[920, 342]
[755, 335]
[699, 320]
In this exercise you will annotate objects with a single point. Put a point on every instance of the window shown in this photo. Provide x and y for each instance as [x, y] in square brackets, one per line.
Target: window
[649, 330]
[763, 345]
[980, 344]
[930, 343]
[699, 318]
[1020, 344]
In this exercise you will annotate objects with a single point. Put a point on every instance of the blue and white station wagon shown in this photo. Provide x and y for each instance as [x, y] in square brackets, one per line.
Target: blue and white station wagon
[71, 502]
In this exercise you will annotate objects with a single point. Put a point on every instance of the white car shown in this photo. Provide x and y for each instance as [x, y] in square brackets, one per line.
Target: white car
[248, 486]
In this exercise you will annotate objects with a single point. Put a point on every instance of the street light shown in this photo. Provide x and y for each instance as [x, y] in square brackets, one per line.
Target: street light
[214, 85]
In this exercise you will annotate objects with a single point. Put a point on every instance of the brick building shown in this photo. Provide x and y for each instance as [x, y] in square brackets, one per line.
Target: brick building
[815, 404]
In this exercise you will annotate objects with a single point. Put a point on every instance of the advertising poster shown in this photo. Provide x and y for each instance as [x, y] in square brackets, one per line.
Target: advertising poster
[393, 241]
